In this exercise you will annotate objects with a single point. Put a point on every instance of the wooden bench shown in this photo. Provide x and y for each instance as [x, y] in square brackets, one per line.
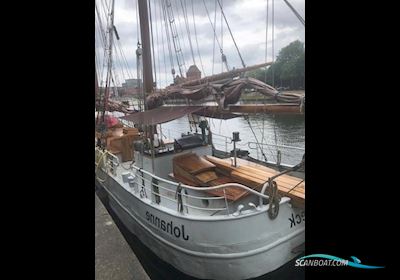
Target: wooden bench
[232, 193]
[193, 170]
[193, 164]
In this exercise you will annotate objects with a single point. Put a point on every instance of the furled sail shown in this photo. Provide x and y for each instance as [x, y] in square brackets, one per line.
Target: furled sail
[113, 106]
[225, 87]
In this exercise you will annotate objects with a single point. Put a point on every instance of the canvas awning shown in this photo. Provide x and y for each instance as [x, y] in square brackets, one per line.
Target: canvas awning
[213, 112]
[169, 113]
[161, 114]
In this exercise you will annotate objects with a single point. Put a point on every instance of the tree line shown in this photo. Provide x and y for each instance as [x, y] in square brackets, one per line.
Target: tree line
[288, 70]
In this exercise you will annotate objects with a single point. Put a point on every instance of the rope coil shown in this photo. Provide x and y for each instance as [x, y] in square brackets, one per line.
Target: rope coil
[274, 199]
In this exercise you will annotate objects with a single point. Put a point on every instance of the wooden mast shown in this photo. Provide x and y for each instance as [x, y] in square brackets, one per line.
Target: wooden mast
[96, 94]
[146, 50]
[147, 68]
[96, 83]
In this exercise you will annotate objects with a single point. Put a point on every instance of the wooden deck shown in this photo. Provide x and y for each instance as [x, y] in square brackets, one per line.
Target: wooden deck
[193, 170]
[255, 175]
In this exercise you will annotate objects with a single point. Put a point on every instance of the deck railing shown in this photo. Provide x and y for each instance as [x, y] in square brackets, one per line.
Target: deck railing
[275, 154]
[111, 162]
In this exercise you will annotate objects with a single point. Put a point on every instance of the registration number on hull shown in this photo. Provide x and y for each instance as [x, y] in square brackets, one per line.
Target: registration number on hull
[296, 219]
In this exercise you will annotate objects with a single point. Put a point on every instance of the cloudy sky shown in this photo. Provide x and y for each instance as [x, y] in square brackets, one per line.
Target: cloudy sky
[246, 18]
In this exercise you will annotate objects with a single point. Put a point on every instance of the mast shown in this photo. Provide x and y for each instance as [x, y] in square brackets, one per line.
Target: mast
[146, 47]
[109, 64]
[139, 76]
[96, 83]
[147, 68]
[96, 94]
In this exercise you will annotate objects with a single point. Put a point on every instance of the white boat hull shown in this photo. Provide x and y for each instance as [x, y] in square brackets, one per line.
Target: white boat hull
[224, 248]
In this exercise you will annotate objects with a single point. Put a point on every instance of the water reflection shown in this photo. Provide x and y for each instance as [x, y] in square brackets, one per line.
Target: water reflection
[288, 130]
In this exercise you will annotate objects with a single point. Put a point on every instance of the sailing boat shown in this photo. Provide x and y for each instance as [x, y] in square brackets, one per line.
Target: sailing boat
[209, 217]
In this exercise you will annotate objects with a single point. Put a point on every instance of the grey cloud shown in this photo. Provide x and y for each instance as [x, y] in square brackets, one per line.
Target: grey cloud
[247, 24]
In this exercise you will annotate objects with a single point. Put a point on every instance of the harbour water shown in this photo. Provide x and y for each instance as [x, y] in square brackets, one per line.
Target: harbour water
[261, 135]
[268, 130]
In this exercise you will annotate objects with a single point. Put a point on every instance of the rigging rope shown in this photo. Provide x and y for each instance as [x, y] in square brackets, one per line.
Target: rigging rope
[114, 74]
[152, 44]
[109, 60]
[163, 46]
[266, 40]
[118, 60]
[296, 13]
[98, 60]
[295, 186]
[215, 19]
[137, 22]
[105, 4]
[197, 42]
[100, 25]
[103, 42]
[130, 74]
[273, 43]
[158, 83]
[188, 30]
[263, 134]
[105, 36]
[212, 26]
[168, 39]
[230, 32]
[276, 143]
[175, 38]
[105, 8]
[265, 71]
[181, 33]
[107, 19]
[222, 39]
[255, 137]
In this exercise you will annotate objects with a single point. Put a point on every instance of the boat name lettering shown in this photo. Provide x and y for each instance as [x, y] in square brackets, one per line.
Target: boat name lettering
[297, 219]
[167, 227]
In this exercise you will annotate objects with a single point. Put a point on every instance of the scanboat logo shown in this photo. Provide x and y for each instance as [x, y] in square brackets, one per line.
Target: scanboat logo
[328, 260]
